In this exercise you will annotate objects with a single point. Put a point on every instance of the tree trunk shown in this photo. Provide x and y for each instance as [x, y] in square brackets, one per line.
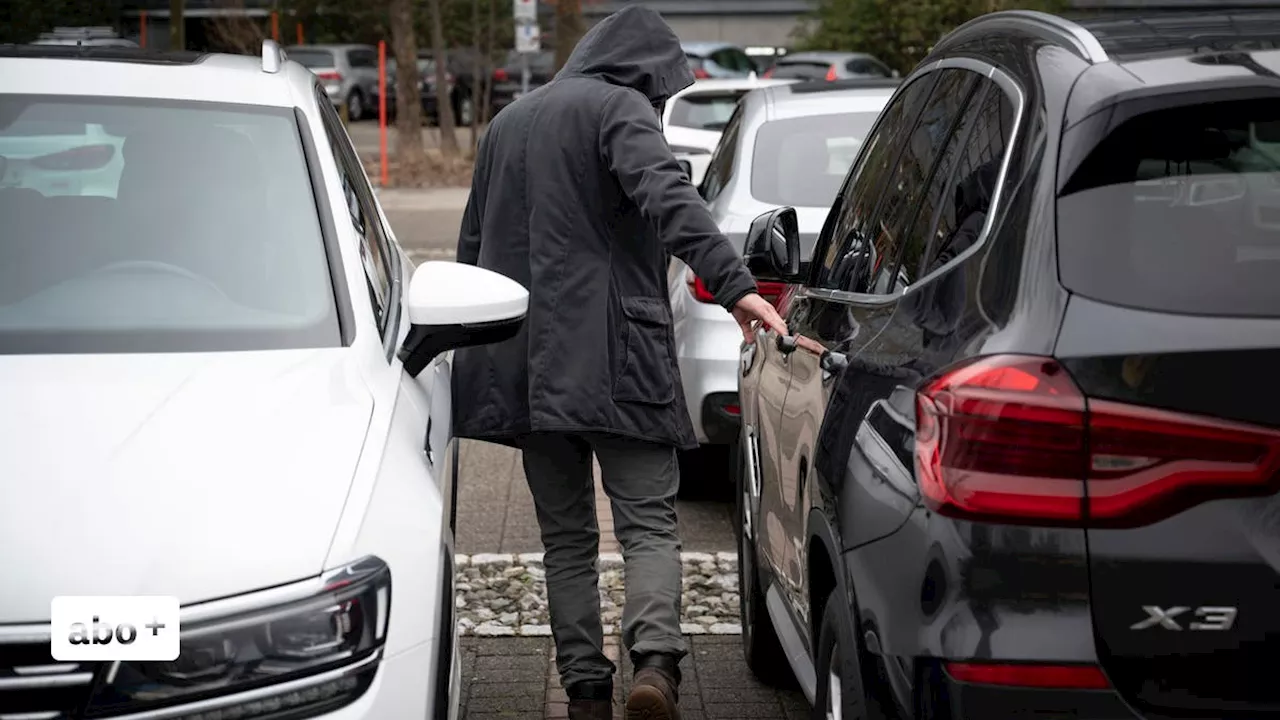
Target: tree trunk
[569, 29]
[486, 97]
[444, 103]
[410, 154]
[177, 25]
[477, 81]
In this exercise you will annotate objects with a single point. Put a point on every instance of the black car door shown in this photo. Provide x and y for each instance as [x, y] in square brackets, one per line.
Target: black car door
[855, 403]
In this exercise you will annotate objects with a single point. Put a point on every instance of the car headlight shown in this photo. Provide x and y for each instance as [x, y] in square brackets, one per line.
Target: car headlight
[303, 657]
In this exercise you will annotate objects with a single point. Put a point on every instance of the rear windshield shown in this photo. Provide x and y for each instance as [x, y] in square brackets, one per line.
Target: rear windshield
[705, 111]
[160, 228]
[802, 161]
[313, 58]
[1178, 210]
[801, 70]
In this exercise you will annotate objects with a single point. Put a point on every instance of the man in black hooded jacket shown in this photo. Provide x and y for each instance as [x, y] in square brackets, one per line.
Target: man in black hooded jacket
[577, 196]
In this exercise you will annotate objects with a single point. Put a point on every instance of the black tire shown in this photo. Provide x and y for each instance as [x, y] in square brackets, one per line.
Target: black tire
[760, 645]
[840, 651]
[355, 105]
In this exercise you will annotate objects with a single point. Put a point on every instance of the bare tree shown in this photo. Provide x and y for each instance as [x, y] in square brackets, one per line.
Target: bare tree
[477, 83]
[411, 155]
[444, 103]
[234, 31]
[486, 94]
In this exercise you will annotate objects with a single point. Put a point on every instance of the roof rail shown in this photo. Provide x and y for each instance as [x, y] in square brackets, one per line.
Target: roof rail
[1081, 40]
[273, 56]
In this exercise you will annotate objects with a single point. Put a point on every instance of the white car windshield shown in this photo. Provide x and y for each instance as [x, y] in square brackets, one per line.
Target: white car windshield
[150, 226]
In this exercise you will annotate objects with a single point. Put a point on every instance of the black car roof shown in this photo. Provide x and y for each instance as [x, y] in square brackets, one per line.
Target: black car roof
[1186, 33]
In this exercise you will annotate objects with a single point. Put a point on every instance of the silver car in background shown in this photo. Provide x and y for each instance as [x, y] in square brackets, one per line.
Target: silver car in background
[349, 74]
[785, 145]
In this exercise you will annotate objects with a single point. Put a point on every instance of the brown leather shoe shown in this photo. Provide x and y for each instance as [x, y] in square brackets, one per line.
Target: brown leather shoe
[653, 696]
[590, 710]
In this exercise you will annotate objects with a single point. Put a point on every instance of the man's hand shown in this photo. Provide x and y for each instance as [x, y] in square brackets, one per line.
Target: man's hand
[752, 310]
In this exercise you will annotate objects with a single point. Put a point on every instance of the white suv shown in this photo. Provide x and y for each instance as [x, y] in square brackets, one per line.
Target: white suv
[219, 382]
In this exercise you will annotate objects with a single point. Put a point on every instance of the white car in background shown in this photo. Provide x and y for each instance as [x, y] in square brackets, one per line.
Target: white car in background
[223, 381]
[791, 146]
[60, 158]
[694, 118]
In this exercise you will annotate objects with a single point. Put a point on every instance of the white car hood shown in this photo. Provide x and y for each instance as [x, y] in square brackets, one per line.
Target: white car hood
[193, 475]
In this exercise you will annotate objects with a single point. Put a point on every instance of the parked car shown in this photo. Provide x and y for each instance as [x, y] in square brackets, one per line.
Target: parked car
[1015, 458]
[829, 66]
[784, 145]
[60, 158]
[508, 79]
[94, 36]
[257, 385]
[694, 118]
[349, 74]
[718, 60]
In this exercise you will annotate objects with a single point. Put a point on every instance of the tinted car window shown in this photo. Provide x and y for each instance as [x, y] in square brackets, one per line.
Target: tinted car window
[846, 259]
[721, 167]
[362, 58]
[706, 110]
[178, 227]
[1178, 210]
[802, 161]
[312, 58]
[867, 67]
[801, 70]
[912, 175]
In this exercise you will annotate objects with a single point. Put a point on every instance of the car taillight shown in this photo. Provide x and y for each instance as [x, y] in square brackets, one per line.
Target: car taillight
[330, 76]
[699, 289]
[831, 73]
[1012, 439]
[701, 74]
[768, 73]
[500, 75]
[1073, 677]
[85, 157]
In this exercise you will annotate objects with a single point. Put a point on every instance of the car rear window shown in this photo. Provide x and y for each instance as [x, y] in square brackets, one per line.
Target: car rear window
[166, 227]
[1178, 210]
[706, 110]
[802, 161]
[802, 70]
[313, 58]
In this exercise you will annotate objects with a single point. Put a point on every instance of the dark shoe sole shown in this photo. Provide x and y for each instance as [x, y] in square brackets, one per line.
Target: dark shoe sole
[648, 703]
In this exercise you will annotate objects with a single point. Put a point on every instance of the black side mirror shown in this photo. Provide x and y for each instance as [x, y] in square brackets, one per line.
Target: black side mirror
[773, 246]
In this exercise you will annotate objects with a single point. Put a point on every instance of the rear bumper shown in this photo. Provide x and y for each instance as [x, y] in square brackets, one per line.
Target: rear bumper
[707, 353]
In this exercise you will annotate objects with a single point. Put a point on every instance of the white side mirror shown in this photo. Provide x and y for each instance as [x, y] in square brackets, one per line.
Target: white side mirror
[452, 306]
[449, 293]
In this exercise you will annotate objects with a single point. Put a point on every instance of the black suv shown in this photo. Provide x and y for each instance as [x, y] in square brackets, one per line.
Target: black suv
[1020, 454]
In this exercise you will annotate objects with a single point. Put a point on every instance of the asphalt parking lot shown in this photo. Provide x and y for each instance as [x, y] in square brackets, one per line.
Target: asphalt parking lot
[508, 663]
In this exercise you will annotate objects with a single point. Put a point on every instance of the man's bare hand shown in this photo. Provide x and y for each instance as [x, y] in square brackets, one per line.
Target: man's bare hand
[752, 311]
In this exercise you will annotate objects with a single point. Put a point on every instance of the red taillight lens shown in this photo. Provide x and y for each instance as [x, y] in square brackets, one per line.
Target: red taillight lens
[85, 157]
[699, 289]
[733, 409]
[330, 76]
[701, 74]
[1074, 677]
[768, 73]
[831, 73]
[500, 75]
[1012, 439]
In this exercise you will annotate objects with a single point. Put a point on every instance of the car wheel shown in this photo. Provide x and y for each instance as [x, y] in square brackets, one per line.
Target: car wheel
[355, 106]
[760, 645]
[841, 687]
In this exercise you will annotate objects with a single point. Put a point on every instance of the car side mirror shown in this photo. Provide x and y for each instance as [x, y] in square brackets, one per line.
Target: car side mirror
[773, 246]
[453, 305]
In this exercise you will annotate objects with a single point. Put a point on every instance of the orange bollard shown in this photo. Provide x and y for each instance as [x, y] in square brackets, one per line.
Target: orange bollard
[301, 37]
[382, 111]
[142, 31]
[275, 26]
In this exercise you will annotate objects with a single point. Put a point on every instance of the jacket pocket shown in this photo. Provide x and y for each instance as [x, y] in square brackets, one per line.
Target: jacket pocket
[645, 373]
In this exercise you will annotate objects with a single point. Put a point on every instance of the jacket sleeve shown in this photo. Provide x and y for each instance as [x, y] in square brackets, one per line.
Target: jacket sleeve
[637, 153]
[473, 216]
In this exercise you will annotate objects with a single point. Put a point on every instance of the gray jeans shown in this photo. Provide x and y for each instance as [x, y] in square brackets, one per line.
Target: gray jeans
[641, 479]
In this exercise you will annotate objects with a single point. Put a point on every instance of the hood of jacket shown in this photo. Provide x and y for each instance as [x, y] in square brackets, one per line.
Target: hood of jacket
[635, 48]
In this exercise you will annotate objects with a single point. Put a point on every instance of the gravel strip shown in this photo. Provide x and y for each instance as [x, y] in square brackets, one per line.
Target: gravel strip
[505, 595]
